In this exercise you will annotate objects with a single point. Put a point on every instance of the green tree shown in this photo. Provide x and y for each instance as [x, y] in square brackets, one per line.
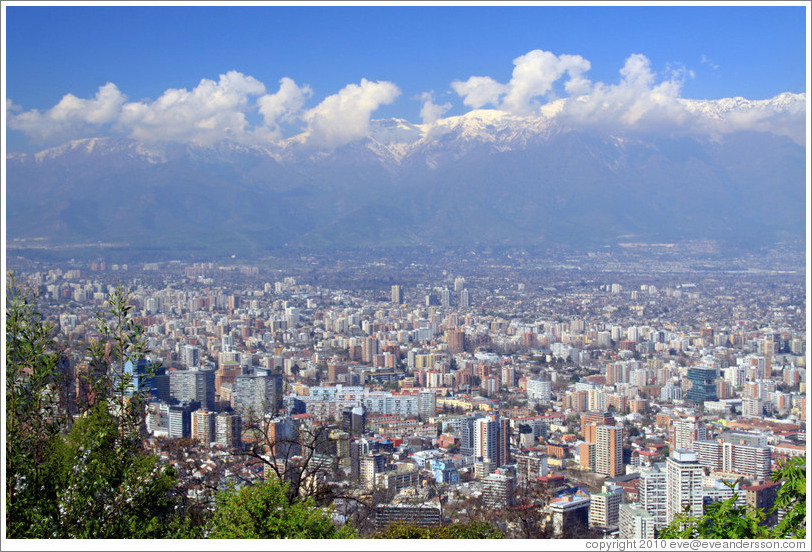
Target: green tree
[263, 511]
[32, 418]
[105, 488]
[728, 520]
[83, 478]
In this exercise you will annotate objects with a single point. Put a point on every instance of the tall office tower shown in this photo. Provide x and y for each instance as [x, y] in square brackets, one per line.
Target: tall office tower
[703, 384]
[358, 449]
[683, 484]
[180, 422]
[204, 426]
[492, 440]
[653, 493]
[369, 348]
[455, 340]
[191, 355]
[370, 465]
[604, 507]
[397, 295]
[426, 404]
[635, 523]
[684, 432]
[609, 450]
[227, 343]
[187, 386]
[465, 299]
[353, 420]
[229, 429]
[257, 394]
[445, 298]
[464, 427]
[617, 372]
[459, 283]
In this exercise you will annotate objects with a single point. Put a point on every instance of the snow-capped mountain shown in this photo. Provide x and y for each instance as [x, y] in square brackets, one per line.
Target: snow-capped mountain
[483, 177]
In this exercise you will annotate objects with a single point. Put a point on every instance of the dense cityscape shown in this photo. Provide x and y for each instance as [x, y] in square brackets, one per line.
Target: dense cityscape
[554, 394]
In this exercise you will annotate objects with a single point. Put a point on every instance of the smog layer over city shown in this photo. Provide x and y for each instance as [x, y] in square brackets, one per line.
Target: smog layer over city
[529, 272]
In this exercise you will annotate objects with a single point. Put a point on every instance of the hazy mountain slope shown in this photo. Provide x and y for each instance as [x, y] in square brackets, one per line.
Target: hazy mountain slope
[485, 177]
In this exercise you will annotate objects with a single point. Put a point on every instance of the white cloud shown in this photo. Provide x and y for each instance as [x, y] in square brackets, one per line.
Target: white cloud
[431, 111]
[534, 75]
[636, 101]
[478, 92]
[210, 112]
[286, 105]
[344, 117]
[69, 117]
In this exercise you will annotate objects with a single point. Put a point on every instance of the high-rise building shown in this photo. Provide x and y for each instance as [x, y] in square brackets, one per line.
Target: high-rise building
[464, 427]
[465, 298]
[445, 298]
[683, 484]
[426, 404]
[370, 465]
[180, 421]
[763, 496]
[569, 512]
[492, 440]
[751, 461]
[604, 507]
[498, 491]
[260, 394]
[590, 420]
[229, 429]
[653, 493]
[188, 386]
[703, 384]
[609, 450]
[204, 426]
[455, 340]
[635, 523]
[683, 432]
[397, 295]
[190, 355]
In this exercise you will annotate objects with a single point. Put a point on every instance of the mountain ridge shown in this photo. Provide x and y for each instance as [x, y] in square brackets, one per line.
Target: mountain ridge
[486, 177]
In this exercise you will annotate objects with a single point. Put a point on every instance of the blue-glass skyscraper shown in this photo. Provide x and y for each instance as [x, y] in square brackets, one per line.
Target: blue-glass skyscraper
[703, 384]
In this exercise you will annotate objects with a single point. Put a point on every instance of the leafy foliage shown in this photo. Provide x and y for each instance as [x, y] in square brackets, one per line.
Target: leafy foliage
[471, 530]
[263, 511]
[86, 478]
[105, 490]
[32, 419]
[728, 520]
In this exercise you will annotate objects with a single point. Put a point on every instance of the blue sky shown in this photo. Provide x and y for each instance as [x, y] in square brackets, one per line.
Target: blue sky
[728, 51]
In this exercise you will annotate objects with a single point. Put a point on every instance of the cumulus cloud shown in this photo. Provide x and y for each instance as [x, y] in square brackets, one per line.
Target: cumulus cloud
[209, 112]
[431, 111]
[637, 101]
[286, 105]
[534, 75]
[70, 117]
[478, 92]
[344, 117]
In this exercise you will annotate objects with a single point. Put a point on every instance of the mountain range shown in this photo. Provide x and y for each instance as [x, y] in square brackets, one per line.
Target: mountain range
[483, 178]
